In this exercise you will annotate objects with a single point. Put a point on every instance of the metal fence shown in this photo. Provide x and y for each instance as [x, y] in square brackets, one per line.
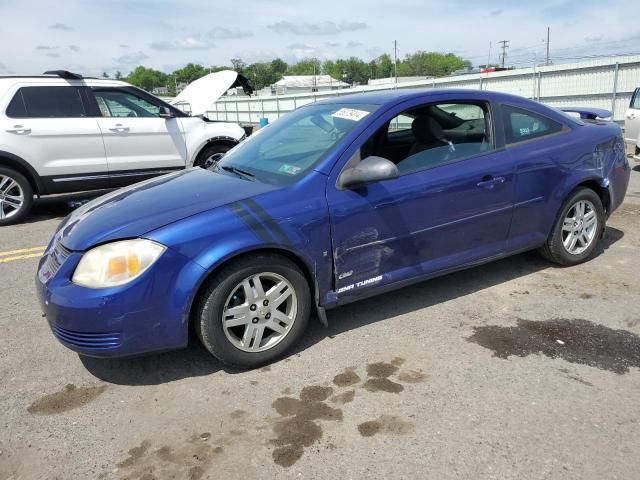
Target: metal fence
[604, 83]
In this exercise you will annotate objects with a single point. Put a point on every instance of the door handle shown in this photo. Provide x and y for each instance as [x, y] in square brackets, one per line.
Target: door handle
[119, 128]
[19, 129]
[489, 182]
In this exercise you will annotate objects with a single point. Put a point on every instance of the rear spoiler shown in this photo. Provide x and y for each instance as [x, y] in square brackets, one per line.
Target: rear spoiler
[587, 113]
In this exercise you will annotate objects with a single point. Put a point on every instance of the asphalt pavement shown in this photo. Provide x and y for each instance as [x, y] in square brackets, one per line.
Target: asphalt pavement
[513, 370]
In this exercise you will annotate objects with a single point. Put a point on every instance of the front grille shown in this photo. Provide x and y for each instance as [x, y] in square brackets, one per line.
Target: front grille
[98, 341]
[56, 258]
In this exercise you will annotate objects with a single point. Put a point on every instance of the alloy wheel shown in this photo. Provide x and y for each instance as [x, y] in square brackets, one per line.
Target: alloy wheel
[259, 312]
[579, 227]
[11, 197]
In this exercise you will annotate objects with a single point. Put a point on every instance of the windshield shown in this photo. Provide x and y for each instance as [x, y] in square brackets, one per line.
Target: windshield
[286, 150]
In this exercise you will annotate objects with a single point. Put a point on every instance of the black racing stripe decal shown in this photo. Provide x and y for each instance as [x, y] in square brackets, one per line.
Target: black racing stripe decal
[251, 222]
[268, 220]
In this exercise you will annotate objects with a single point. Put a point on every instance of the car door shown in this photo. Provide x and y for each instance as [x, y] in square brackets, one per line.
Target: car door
[52, 127]
[445, 210]
[632, 120]
[138, 141]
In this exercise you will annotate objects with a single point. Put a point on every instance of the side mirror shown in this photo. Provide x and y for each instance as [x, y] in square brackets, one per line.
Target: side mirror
[371, 169]
[165, 112]
[212, 160]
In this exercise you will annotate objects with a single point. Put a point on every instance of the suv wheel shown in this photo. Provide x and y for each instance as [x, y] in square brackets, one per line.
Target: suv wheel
[210, 151]
[253, 310]
[16, 196]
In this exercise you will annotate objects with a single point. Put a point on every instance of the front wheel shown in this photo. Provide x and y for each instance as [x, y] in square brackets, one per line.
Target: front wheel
[16, 196]
[209, 151]
[577, 229]
[253, 310]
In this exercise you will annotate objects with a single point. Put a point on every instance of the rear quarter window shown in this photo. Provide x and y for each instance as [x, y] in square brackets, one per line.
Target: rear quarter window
[46, 102]
[522, 125]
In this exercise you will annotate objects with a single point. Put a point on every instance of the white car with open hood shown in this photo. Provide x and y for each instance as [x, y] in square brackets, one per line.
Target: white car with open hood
[632, 125]
[60, 133]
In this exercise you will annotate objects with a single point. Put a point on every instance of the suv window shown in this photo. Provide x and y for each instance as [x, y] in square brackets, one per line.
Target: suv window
[635, 100]
[522, 125]
[46, 102]
[120, 103]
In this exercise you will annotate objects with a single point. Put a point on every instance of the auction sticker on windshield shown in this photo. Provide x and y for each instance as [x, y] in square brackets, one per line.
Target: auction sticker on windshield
[350, 114]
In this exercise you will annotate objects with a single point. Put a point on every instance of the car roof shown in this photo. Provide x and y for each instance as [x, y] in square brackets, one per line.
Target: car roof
[382, 97]
[7, 80]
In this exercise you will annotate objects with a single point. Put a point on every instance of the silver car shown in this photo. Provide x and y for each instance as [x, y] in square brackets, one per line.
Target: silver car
[632, 125]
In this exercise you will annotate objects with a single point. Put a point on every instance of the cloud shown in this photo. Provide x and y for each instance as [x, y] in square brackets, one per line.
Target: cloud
[495, 13]
[333, 44]
[300, 46]
[322, 28]
[124, 45]
[46, 47]
[75, 48]
[593, 38]
[188, 43]
[60, 26]
[353, 44]
[53, 55]
[132, 58]
[221, 33]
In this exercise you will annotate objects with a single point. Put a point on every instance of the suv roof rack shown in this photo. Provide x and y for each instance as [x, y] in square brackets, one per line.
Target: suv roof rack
[64, 74]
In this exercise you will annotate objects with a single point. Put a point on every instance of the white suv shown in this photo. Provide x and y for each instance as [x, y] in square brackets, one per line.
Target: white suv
[60, 133]
[632, 124]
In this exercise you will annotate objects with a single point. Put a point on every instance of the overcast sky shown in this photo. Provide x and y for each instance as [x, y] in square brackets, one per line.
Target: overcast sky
[92, 36]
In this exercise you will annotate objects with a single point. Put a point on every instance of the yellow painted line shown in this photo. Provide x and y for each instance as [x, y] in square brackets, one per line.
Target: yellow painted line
[20, 257]
[21, 251]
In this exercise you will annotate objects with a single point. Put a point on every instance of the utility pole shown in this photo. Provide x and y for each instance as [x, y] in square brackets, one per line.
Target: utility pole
[395, 60]
[505, 45]
[489, 57]
[548, 62]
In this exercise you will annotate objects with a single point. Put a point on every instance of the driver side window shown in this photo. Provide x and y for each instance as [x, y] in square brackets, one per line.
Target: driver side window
[431, 135]
[115, 103]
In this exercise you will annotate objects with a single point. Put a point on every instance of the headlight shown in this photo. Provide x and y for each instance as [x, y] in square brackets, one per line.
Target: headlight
[116, 263]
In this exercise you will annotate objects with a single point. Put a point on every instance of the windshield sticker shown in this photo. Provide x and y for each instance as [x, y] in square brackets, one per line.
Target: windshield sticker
[350, 114]
[289, 169]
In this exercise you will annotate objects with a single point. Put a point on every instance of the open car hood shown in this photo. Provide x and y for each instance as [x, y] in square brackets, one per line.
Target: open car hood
[202, 93]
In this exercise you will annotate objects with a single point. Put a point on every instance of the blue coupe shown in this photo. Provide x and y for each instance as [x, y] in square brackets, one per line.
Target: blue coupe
[337, 201]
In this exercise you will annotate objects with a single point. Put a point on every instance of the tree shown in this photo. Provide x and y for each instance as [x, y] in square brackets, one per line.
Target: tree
[104, 75]
[238, 65]
[147, 78]
[190, 72]
[306, 66]
[118, 75]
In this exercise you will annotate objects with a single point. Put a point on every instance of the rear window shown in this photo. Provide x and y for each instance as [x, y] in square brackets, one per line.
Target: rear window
[46, 102]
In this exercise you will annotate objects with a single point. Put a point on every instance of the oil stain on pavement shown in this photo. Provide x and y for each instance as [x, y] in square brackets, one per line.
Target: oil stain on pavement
[574, 340]
[68, 399]
[190, 460]
[299, 426]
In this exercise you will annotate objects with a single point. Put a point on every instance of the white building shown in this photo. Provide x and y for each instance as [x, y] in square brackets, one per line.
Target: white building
[306, 83]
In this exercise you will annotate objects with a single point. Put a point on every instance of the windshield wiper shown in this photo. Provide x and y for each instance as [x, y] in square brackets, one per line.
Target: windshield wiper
[238, 171]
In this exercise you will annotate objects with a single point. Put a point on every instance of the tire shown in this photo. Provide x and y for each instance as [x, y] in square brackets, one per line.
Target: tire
[209, 151]
[572, 229]
[225, 289]
[16, 196]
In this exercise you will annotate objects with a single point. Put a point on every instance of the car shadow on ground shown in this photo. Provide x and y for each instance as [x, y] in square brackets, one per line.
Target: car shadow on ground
[59, 206]
[195, 361]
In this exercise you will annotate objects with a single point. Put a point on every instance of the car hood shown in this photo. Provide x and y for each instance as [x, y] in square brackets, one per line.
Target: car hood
[204, 92]
[133, 211]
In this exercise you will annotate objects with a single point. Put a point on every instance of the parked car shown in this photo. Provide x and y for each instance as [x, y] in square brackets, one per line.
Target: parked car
[632, 125]
[63, 133]
[336, 201]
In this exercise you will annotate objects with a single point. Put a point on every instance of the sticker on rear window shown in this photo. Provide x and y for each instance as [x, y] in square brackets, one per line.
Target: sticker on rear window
[350, 114]
[289, 169]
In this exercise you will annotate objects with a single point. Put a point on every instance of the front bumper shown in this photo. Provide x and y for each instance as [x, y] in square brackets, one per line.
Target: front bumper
[147, 315]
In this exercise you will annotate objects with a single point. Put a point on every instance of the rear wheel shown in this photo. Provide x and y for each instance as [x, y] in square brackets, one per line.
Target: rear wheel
[16, 196]
[209, 151]
[253, 310]
[577, 229]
